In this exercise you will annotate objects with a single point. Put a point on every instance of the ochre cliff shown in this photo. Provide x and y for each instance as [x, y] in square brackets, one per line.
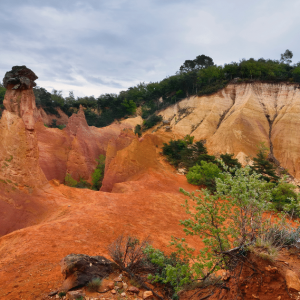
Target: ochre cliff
[74, 149]
[18, 148]
[48, 118]
[239, 117]
[138, 157]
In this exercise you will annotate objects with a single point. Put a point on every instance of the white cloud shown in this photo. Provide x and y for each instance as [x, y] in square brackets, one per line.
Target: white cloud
[94, 47]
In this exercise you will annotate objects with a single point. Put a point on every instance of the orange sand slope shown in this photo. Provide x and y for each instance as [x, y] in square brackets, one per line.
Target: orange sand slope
[85, 221]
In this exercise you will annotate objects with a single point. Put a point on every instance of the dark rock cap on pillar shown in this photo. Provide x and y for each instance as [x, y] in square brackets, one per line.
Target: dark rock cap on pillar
[21, 77]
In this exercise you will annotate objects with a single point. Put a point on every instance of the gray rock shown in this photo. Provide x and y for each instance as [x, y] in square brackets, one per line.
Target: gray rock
[75, 295]
[79, 269]
[21, 77]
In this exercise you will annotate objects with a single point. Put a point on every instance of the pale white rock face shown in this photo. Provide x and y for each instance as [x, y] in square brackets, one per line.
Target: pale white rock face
[239, 117]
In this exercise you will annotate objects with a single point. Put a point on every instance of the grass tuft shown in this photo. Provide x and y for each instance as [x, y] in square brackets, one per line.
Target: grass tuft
[93, 286]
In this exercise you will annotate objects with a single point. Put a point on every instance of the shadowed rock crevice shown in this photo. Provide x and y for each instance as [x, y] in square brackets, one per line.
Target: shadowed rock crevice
[194, 127]
[224, 115]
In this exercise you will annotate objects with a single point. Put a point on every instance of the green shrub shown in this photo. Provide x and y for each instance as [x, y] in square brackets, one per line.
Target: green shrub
[83, 184]
[61, 127]
[230, 162]
[236, 221]
[98, 174]
[285, 199]
[70, 181]
[174, 151]
[151, 121]
[97, 177]
[129, 106]
[262, 166]
[93, 286]
[138, 130]
[62, 294]
[186, 153]
[204, 174]
[170, 270]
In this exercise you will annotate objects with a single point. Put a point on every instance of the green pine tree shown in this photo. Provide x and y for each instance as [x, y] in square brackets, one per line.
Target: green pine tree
[264, 167]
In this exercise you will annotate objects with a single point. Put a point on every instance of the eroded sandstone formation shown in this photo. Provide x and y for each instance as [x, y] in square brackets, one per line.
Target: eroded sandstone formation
[138, 157]
[48, 118]
[74, 149]
[239, 117]
[18, 148]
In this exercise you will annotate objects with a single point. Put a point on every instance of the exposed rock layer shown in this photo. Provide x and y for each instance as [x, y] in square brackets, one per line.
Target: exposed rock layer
[138, 157]
[74, 149]
[18, 148]
[239, 117]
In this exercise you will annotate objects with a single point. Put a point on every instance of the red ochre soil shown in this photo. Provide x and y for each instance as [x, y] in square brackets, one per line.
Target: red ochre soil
[71, 220]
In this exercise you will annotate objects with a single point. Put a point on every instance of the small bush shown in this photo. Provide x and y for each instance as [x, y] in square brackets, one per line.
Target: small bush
[61, 127]
[169, 270]
[93, 286]
[204, 174]
[128, 253]
[151, 121]
[236, 221]
[282, 235]
[62, 294]
[70, 181]
[185, 153]
[263, 166]
[230, 162]
[138, 130]
[137, 258]
[83, 184]
[285, 199]
[98, 174]
[173, 151]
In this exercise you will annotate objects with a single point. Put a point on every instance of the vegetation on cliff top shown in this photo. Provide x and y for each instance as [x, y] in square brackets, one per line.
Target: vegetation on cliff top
[195, 77]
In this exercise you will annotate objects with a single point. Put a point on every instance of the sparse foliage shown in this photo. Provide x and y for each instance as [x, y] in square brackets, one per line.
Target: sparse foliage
[233, 217]
[94, 285]
[98, 174]
[70, 181]
[262, 166]
[128, 252]
[151, 121]
[138, 130]
[286, 57]
[284, 198]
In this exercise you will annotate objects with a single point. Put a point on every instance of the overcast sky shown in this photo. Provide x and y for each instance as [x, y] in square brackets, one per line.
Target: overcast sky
[94, 46]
